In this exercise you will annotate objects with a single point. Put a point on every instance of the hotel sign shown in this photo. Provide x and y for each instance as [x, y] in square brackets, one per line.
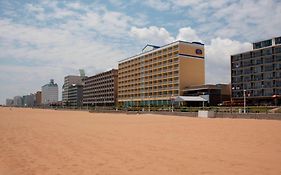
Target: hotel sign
[198, 51]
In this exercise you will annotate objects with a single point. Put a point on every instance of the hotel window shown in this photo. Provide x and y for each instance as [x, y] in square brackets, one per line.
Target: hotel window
[257, 45]
[256, 53]
[277, 50]
[266, 43]
[267, 51]
[278, 40]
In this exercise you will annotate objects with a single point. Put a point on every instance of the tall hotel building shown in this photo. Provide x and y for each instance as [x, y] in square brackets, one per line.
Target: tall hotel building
[258, 73]
[159, 74]
[72, 83]
[101, 89]
[50, 93]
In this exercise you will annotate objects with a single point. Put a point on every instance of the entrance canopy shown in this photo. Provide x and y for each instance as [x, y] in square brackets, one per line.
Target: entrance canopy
[190, 98]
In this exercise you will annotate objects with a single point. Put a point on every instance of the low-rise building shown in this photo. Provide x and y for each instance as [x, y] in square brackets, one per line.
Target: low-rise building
[217, 94]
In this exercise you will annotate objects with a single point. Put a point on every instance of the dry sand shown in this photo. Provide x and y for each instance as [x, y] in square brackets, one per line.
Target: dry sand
[48, 142]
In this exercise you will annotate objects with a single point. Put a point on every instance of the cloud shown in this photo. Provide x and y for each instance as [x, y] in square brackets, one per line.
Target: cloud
[113, 24]
[239, 20]
[217, 58]
[158, 4]
[188, 34]
[45, 49]
[152, 35]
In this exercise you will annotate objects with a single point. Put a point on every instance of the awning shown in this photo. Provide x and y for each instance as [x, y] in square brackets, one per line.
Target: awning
[190, 98]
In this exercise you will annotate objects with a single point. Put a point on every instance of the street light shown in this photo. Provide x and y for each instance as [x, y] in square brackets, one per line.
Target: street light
[172, 102]
[149, 103]
[244, 94]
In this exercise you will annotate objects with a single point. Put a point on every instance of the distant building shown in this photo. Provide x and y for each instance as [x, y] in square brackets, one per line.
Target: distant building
[68, 82]
[18, 101]
[38, 98]
[9, 102]
[75, 95]
[257, 73]
[28, 100]
[216, 93]
[101, 89]
[50, 93]
[158, 74]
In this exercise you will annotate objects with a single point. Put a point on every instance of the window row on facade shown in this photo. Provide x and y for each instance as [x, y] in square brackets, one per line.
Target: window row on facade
[256, 53]
[256, 61]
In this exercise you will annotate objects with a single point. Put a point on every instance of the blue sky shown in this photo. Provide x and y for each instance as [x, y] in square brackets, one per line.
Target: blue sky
[40, 40]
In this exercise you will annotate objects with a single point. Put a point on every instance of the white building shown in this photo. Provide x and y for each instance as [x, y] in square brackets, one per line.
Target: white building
[50, 93]
[18, 101]
[9, 102]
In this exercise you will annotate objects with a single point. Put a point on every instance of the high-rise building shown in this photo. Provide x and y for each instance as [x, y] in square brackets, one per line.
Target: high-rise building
[68, 82]
[38, 98]
[18, 101]
[50, 93]
[9, 102]
[28, 100]
[257, 73]
[101, 89]
[75, 95]
[159, 74]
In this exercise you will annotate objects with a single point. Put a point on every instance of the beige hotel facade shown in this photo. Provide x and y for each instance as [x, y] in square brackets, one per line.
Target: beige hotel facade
[159, 74]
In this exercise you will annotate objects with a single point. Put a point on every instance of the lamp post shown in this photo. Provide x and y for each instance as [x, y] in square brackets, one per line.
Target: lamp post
[149, 103]
[172, 103]
[231, 90]
[244, 94]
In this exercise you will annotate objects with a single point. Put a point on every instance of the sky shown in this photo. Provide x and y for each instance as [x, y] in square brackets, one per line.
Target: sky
[49, 39]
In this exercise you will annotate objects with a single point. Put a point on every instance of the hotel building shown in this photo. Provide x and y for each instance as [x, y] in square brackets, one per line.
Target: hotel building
[38, 98]
[101, 89]
[75, 95]
[74, 82]
[159, 74]
[258, 73]
[50, 93]
[18, 101]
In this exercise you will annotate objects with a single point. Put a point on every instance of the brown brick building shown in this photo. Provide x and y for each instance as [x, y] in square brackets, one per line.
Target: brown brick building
[101, 89]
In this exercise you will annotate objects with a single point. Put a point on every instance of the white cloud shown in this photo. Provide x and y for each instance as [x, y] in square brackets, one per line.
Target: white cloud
[51, 53]
[188, 34]
[152, 35]
[217, 59]
[158, 4]
[34, 8]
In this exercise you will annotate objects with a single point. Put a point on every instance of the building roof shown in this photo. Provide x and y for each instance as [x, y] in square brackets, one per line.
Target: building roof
[51, 84]
[162, 47]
